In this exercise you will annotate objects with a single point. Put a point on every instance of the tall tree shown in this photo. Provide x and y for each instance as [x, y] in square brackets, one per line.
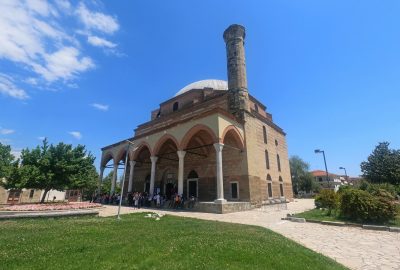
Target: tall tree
[56, 167]
[383, 165]
[302, 179]
[6, 161]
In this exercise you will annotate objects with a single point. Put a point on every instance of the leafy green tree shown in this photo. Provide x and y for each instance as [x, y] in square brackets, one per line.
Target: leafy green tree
[106, 185]
[56, 167]
[6, 161]
[383, 165]
[302, 179]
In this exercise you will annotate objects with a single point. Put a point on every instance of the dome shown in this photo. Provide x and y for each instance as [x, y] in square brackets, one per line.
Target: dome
[213, 84]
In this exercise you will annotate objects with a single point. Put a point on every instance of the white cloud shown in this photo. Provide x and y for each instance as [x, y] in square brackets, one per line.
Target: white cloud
[39, 36]
[63, 5]
[64, 63]
[76, 134]
[8, 88]
[100, 42]
[101, 107]
[97, 20]
[5, 131]
[16, 153]
[41, 138]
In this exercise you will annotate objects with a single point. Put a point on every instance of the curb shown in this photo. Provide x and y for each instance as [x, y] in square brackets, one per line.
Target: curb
[345, 224]
[49, 214]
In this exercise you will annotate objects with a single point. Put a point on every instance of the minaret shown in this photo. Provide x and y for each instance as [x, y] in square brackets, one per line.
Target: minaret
[236, 64]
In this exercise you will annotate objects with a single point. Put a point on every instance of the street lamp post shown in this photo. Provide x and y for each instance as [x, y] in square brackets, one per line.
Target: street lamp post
[345, 172]
[317, 151]
[123, 178]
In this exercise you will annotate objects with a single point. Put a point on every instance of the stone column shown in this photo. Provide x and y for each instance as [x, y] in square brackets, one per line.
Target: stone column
[181, 155]
[132, 164]
[114, 180]
[100, 179]
[153, 173]
[220, 177]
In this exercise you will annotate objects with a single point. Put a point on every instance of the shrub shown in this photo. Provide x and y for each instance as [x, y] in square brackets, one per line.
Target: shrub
[328, 199]
[360, 205]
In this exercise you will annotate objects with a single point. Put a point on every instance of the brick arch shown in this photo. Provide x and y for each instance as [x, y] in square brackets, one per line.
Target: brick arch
[106, 157]
[235, 134]
[140, 148]
[162, 140]
[192, 132]
[120, 154]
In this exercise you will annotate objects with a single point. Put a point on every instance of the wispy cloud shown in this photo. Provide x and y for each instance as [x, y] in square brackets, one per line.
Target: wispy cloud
[8, 88]
[97, 20]
[5, 131]
[100, 42]
[76, 134]
[39, 38]
[41, 138]
[101, 107]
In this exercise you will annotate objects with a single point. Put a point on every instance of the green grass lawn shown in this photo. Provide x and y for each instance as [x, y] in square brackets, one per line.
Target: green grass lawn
[318, 214]
[136, 242]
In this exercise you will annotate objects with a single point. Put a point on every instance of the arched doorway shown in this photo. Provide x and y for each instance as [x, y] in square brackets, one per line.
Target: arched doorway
[169, 184]
[193, 184]
[168, 162]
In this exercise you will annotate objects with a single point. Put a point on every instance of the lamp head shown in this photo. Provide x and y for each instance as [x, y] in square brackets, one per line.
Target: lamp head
[341, 168]
[316, 151]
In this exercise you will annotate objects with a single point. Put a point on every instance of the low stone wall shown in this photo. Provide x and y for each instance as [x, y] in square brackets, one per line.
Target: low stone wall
[222, 208]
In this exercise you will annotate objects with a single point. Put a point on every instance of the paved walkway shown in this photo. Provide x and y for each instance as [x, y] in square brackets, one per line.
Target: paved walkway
[355, 248]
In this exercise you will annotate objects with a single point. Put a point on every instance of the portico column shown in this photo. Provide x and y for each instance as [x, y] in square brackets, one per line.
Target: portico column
[181, 155]
[100, 179]
[114, 180]
[153, 174]
[220, 178]
[132, 163]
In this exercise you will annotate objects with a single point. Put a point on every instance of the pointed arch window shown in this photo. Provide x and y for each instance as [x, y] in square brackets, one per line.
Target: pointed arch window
[193, 174]
[281, 186]
[265, 134]
[175, 107]
[278, 160]
[269, 186]
[267, 159]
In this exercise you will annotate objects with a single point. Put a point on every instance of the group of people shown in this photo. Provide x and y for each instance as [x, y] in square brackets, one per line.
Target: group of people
[143, 199]
[107, 198]
[138, 199]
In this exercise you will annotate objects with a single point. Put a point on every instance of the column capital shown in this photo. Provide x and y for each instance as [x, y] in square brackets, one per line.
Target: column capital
[132, 163]
[218, 147]
[181, 154]
[153, 159]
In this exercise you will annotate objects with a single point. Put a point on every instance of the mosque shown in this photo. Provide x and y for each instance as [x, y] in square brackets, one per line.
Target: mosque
[211, 140]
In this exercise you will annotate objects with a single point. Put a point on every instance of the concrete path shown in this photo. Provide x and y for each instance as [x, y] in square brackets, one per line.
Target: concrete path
[355, 248]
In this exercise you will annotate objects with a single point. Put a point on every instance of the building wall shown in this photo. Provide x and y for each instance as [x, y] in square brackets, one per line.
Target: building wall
[257, 168]
[24, 196]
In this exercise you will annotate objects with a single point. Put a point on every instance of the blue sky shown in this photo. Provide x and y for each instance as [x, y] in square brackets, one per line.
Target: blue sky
[89, 71]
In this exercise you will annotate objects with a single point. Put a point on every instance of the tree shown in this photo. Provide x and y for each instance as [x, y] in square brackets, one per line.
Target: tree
[302, 179]
[6, 161]
[383, 165]
[57, 167]
[106, 184]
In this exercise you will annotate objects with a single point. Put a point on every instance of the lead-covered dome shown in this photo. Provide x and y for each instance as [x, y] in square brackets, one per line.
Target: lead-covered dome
[213, 84]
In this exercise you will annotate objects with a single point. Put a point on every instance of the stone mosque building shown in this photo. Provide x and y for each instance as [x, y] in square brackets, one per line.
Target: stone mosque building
[212, 140]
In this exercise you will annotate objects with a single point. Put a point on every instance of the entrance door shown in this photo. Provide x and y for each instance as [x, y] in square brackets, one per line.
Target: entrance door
[169, 190]
[192, 188]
